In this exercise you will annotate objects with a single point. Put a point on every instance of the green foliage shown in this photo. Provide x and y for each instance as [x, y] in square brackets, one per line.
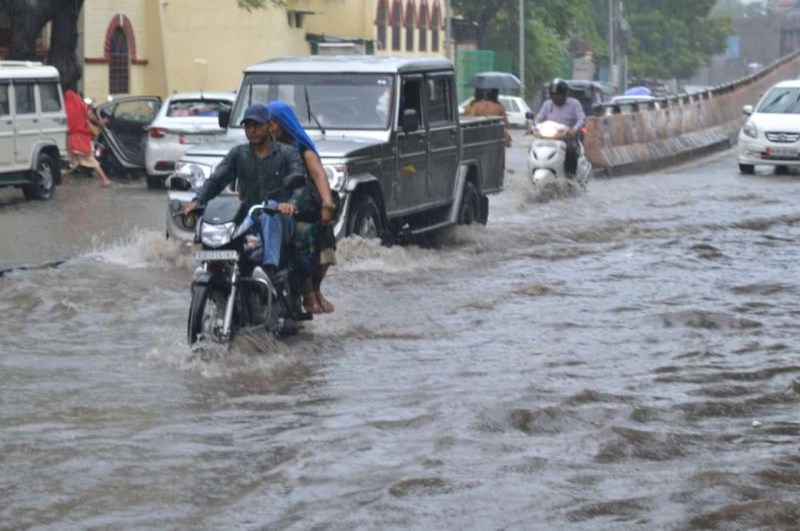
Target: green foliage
[672, 39]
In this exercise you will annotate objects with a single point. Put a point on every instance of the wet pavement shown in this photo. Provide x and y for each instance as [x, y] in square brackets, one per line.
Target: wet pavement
[625, 359]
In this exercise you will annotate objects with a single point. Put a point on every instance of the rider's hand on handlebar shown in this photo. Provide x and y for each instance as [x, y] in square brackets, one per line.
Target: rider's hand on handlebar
[572, 133]
[190, 207]
[286, 209]
[326, 217]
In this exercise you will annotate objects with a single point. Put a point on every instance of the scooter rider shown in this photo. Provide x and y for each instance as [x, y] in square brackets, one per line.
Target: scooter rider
[261, 165]
[567, 111]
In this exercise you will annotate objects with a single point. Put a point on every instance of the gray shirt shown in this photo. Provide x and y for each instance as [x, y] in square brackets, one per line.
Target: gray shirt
[570, 113]
[259, 179]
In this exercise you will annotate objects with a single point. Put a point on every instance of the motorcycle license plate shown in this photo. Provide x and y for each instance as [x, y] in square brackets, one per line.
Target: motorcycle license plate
[210, 256]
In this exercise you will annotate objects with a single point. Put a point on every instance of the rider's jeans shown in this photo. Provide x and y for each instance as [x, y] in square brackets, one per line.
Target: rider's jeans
[276, 231]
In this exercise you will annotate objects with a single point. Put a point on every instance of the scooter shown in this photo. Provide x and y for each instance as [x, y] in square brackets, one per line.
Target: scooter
[229, 292]
[546, 158]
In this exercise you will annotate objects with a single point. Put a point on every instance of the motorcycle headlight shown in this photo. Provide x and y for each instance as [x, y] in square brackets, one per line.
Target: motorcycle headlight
[750, 130]
[193, 172]
[337, 175]
[216, 235]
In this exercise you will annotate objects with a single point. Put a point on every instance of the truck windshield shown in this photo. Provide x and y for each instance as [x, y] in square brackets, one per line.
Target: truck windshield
[339, 101]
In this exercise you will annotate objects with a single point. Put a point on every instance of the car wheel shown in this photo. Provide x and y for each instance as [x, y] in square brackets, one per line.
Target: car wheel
[42, 179]
[366, 220]
[747, 169]
[155, 182]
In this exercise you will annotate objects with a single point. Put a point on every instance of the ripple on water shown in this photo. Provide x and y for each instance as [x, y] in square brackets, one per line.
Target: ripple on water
[707, 320]
[628, 443]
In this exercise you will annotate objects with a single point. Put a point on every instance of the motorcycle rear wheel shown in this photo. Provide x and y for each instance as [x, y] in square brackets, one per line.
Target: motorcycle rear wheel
[207, 314]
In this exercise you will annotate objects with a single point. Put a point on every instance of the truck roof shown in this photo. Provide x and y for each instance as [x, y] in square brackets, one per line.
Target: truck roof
[365, 64]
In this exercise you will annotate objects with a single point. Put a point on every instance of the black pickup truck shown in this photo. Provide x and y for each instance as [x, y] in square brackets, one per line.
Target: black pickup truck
[389, 135]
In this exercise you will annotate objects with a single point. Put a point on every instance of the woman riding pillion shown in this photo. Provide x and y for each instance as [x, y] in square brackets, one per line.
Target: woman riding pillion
[315, 243]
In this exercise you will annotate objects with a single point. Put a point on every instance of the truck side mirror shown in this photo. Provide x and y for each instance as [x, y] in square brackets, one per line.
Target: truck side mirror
[224, 117]
[410, 121]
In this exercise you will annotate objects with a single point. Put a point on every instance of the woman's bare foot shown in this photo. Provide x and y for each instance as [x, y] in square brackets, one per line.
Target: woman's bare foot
[311, 303]
[325, 305]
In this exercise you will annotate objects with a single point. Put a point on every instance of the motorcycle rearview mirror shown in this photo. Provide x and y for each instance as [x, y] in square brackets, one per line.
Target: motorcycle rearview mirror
[178, 182]
[410, 121]
[529, 115]
[224, 117]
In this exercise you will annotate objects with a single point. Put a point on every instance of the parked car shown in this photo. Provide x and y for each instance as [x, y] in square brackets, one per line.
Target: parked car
[33, 128]
[388, 133]
[516, 109]
[184, 119]
[772, 133]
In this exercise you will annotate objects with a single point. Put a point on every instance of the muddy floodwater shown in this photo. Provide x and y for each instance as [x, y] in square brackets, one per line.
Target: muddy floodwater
[626, 359]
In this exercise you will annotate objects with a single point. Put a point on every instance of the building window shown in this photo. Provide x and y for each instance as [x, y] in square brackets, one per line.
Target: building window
[119, 67]
[381, 20]
[295, 19]
[423, 27]
[410, 27]
[397, 22]
[435, 23]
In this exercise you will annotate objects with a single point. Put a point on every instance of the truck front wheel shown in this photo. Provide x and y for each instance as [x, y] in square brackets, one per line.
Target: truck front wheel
[365, 219]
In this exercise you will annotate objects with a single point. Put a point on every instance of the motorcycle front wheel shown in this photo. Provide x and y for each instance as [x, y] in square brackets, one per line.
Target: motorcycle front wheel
[207, 314]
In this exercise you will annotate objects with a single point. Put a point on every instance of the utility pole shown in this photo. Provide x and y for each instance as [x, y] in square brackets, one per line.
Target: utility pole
[522, 46]
[612, 71]
[448, 31]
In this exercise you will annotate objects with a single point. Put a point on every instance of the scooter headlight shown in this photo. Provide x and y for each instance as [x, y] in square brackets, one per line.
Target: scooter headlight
[549, 130]
[216, 235]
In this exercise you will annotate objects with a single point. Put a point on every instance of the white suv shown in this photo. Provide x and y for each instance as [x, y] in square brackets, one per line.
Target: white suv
[772, 133]
[33, 127]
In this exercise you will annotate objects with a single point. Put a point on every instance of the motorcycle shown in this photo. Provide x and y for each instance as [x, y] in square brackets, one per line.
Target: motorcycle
[546, 158]
[228, 292]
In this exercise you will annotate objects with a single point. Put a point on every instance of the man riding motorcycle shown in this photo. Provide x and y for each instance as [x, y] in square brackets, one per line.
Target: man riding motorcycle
[567, 111]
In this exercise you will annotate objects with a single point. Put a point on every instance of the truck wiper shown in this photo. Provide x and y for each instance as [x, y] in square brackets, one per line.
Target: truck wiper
[310, 113]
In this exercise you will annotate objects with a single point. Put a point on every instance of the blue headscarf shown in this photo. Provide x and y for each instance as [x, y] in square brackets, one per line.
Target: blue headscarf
[285, 116]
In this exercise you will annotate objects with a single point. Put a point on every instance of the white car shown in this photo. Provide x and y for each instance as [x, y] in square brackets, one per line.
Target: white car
[516, 110]
[772, 133]
[627, 104]
[185, 119]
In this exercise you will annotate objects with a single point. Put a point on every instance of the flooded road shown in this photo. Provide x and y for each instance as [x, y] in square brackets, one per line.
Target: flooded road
[627, 359]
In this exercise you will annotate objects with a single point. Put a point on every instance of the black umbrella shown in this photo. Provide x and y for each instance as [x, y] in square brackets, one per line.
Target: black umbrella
[495, 80]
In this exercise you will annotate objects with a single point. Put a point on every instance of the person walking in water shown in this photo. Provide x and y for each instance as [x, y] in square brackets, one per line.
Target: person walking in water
[80, 145]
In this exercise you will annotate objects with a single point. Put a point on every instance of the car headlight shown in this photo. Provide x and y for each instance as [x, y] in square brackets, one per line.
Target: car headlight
[216, 235]
[195, 173]
[337, 175]
[750, 129]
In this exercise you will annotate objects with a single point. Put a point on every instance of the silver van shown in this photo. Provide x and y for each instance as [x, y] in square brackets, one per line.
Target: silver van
[33, 127]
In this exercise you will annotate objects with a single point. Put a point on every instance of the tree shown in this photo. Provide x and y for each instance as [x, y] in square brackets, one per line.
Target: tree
[552, 28]
[671, 40]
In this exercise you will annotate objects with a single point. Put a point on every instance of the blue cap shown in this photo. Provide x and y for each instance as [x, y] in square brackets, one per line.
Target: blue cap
[257, 112]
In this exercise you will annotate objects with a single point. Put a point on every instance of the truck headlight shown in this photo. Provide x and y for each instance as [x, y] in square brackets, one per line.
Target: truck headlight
[750, 129]
[336, 174]
[216, 235]
[195, 173]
